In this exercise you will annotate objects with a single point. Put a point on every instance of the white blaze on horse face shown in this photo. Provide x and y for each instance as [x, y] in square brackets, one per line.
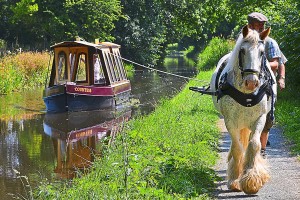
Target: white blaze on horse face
[251, 65]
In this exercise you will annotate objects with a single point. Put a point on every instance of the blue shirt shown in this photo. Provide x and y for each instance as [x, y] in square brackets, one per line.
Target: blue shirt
[273, 51]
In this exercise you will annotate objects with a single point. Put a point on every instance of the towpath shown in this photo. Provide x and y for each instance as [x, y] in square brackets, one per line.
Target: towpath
[285, 170]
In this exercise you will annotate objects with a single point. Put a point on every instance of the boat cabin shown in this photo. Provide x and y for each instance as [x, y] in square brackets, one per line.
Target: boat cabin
[86, 76]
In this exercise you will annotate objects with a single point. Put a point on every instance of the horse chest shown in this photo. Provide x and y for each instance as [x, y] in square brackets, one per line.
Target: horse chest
[233, 111]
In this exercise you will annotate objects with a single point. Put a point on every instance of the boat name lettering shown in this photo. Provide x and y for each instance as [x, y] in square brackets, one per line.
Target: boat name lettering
[79, 89]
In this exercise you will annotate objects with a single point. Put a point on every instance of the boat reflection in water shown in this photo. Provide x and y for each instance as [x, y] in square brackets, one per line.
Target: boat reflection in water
[77, 137]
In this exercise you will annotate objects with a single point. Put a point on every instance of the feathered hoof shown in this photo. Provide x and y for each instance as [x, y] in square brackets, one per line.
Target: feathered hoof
[252, 182]
[234, 186]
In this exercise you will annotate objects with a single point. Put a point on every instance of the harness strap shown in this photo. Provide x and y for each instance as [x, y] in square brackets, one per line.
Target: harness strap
[247, 100]
[270, 82]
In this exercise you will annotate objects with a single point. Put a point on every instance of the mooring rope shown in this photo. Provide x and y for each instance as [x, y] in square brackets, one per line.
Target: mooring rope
[153, 69]
[157, 69]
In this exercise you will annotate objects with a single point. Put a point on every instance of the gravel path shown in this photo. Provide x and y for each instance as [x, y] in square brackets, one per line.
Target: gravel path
[285, 171]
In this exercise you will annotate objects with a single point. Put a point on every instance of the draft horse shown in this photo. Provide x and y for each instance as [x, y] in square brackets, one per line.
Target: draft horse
[245, 94]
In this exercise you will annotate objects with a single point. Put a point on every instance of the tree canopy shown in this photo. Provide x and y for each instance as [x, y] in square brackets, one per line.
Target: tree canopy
[143, 27]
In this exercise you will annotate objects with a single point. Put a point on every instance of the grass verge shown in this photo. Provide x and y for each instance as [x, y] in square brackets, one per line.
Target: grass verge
[168, 154]
[287, 115]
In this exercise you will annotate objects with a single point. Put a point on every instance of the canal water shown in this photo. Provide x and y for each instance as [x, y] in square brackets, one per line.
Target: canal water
[35, 146]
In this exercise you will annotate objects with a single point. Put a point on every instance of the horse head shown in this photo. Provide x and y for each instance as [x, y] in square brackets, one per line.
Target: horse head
[251, 57]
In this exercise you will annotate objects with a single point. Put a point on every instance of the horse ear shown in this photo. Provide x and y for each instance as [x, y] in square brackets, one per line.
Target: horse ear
[245, 31]
[265, 33]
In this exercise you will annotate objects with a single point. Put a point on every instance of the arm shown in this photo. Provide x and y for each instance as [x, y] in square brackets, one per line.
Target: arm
[274, 62]
[281, 73]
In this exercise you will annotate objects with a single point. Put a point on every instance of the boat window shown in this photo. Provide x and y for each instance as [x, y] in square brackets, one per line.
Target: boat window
[82, 68]
[114, 67]
[98, 70]
[119, 63]
[72, 58]
[109, 62]
[62, 68]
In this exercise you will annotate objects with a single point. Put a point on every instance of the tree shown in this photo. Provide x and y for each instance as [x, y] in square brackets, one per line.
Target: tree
[36, 22]
[142, 31]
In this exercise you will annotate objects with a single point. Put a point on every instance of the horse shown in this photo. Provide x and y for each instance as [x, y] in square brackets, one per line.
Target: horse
[246, 89]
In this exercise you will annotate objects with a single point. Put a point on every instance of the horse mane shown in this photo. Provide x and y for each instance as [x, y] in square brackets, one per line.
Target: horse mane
[252, 38]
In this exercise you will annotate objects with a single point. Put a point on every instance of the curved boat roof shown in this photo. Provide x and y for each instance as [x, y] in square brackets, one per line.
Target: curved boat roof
[84, 43]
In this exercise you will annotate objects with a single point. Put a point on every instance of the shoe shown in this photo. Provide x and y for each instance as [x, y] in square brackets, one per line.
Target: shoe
[263, 153]
[268, 143]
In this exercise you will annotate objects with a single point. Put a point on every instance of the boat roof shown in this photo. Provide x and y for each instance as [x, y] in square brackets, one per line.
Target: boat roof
[84, 43]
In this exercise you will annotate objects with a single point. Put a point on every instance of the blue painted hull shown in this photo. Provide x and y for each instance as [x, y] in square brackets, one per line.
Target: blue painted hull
[70, 102]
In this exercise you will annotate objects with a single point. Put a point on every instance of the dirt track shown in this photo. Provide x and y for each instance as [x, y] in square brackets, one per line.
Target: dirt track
[285, 171]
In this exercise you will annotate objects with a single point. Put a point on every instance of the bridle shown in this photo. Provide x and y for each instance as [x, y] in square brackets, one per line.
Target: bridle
[245, 72]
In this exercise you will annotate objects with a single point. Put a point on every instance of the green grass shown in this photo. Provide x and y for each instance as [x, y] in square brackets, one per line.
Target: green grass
[287, 115]
[129, 68]
[168, 154]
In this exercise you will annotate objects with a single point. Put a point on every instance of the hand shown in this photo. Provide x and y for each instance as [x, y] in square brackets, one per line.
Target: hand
[281, 83]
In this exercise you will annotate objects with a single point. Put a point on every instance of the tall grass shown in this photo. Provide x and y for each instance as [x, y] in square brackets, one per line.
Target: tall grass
[23, 71]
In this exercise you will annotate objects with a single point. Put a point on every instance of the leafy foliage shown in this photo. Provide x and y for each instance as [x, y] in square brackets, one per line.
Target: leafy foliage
[142, 32]
[143, 28]
[216, 48]
[37, 23]
[23, 70]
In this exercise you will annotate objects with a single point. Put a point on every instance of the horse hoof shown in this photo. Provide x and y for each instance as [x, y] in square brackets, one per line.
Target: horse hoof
[234, 186]
[251, 183]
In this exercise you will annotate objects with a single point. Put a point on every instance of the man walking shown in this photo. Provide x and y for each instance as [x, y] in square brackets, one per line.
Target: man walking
[276, 59]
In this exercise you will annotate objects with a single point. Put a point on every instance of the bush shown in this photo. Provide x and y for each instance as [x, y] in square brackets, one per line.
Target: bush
[214, 51]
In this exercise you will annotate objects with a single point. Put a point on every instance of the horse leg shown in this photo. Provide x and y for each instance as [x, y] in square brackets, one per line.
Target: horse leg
[235, 158]
[255, 172]
[244, 137]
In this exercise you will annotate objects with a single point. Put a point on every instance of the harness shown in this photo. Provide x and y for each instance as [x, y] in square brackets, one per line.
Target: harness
[248, 100]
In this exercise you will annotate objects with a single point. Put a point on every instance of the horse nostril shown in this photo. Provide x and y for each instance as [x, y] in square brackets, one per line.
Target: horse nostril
[251, 85]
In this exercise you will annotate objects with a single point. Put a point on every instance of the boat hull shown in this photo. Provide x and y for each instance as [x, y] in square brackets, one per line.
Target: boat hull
[84, 98]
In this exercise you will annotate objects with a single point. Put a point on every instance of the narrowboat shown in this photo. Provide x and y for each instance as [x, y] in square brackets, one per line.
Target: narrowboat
[86, 76]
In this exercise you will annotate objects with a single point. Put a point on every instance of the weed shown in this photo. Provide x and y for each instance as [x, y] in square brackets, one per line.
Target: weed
[26, 186]
[23, 71]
